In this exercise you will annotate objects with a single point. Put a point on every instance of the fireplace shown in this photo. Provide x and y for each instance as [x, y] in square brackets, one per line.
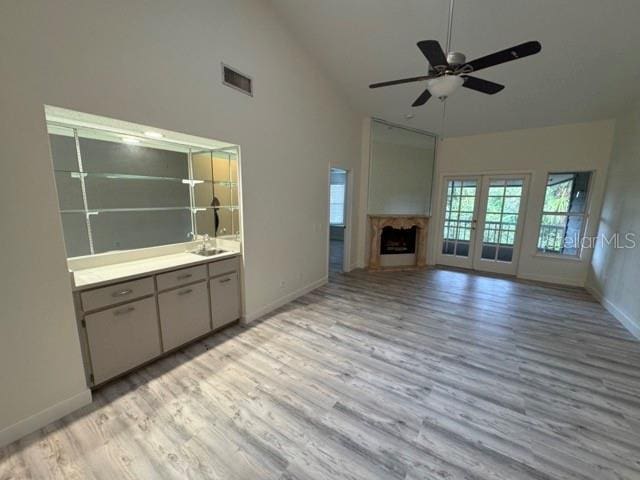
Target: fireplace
[398, 241]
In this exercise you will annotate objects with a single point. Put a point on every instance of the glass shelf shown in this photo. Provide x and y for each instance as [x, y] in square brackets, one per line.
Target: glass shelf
[127, 176]
[96, 211]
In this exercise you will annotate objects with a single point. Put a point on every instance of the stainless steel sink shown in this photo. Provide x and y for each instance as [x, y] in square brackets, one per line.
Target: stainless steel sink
[210, 253]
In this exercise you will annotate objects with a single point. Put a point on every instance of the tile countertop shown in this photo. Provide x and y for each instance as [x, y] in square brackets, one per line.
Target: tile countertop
[104, 275]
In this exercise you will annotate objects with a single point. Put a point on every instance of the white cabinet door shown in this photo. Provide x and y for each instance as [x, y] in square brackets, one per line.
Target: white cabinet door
[225, 299]
[184, 314]
[122, 338]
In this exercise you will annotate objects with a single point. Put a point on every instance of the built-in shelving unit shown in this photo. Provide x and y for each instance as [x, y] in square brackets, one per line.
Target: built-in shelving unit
[120, 192]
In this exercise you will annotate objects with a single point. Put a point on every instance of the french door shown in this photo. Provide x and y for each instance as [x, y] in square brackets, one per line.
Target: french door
[482, 222]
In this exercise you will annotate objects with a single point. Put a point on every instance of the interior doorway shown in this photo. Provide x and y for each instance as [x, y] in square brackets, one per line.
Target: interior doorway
[482, 222]
[338, 221]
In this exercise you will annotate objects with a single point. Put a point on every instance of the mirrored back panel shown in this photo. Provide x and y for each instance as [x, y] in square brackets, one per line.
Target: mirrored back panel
[401, 170]
[120, 192]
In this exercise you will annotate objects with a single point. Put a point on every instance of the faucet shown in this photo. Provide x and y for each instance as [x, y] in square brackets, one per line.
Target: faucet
[205, 240]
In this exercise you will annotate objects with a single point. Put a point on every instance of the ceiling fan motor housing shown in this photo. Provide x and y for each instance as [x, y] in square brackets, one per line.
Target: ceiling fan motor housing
[456, 59]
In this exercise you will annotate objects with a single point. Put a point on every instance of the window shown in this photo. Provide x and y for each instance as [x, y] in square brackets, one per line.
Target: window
[563, 214]
[337, 193]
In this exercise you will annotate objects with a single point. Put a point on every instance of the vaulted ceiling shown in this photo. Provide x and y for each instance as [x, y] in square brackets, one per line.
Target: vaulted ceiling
[589, 67]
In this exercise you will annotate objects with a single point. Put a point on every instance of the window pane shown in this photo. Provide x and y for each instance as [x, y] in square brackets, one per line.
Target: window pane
[512, 204]
[558, 194]
[494, 204]
[552, 233]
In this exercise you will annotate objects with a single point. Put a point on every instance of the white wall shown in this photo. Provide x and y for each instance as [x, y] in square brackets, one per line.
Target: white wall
[155, 63]
[613, 276]
[584, 146]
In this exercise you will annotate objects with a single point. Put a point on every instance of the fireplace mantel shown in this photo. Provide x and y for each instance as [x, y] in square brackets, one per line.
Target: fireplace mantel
[378, 222]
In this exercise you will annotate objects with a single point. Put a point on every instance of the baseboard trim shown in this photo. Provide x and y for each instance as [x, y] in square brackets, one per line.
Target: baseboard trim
[550, 279]
[43, 418]
[251, 316]
[633, 326]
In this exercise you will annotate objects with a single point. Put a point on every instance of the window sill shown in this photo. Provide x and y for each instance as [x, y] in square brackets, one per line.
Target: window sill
[551, 256]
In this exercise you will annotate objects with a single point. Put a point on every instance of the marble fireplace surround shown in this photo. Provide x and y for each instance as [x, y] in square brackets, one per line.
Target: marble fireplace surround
[378, 222]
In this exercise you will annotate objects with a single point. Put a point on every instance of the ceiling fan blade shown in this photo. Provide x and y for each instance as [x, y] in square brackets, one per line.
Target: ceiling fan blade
[433, 51]
[422, 99]
[398, 82]
[507, 55]
[484, 86]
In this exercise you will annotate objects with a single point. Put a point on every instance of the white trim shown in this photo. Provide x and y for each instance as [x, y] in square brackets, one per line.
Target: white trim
[558, 257]
[250, 317]
[551, 279]
[633, 326]
[43, 418]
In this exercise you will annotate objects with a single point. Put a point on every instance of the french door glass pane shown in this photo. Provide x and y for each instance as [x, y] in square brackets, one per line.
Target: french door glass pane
[459, 208]
[501, 219]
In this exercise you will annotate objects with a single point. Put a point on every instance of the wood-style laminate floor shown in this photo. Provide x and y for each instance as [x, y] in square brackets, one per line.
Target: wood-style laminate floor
[426, 375]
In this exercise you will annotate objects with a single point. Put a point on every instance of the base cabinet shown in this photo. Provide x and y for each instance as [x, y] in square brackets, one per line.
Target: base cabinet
[126, 324]
[225, 299]
[123, 337]
[184, 314]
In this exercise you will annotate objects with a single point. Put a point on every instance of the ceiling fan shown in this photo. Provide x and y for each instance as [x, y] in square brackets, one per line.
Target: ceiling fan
[449, 72]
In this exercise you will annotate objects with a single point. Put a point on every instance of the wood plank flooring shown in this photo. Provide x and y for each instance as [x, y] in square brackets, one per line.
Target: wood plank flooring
[426, 375]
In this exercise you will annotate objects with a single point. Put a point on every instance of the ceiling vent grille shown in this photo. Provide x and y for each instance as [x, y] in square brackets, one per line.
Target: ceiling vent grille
[234, 79]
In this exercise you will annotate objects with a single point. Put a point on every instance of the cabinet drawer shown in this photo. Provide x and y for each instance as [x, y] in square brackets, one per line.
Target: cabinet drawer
[225, 299]
[120, 292]
[184, 314]
[224, 266]
[181, 277]
[123, 337]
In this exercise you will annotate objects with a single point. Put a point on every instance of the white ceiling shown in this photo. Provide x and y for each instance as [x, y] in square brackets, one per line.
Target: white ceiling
[589, 67]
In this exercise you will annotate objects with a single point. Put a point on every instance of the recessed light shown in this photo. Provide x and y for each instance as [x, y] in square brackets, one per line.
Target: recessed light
[152, 134]
[130, 140]
[409, 116]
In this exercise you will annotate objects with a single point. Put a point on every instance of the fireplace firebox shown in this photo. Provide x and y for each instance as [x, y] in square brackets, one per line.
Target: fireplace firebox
[398, 241]
[414, 226]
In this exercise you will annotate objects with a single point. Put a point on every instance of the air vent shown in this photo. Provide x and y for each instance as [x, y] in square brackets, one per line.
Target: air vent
[234, 79]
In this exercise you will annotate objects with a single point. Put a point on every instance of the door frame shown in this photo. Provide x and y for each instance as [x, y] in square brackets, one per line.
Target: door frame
[442, 192]
[348, 216]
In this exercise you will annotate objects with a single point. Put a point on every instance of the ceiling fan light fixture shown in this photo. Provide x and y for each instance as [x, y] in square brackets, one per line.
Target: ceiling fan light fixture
[444, 86]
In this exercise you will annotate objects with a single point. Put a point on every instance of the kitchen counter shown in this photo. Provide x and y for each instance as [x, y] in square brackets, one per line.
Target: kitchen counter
[97, 276]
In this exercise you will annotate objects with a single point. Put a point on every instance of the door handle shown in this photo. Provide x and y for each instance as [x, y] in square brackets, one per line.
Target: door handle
[225, 280]
[122, 293]
[184, 292]
[122, 311]
[184, 276]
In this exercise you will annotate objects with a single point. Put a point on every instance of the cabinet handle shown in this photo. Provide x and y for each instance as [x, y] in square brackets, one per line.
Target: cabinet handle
[185, 276]
[184, 292]
[122, 293]
[225, 280]
[122, 311]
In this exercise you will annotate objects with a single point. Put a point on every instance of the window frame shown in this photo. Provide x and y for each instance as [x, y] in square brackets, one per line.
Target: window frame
[585, 218]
